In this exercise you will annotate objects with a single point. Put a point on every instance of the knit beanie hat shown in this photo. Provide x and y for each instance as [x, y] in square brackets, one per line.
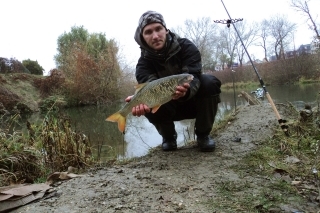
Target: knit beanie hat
[150, 17]
[147, 18]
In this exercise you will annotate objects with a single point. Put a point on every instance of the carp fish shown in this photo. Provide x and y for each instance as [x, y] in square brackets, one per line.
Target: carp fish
[153, 94]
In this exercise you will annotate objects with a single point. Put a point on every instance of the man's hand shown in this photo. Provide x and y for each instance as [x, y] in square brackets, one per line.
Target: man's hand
[138, 110]
[181, 91]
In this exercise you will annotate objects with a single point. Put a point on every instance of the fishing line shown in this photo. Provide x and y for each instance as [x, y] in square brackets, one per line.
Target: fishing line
[281, 121]
[232, 74]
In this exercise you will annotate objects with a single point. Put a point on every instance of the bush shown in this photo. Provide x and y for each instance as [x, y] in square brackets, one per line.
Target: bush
[33, 67]
[91, 66]
[50, 84]
[12, 65]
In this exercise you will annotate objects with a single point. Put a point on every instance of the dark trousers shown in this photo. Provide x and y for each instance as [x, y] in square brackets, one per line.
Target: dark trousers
[203, 107]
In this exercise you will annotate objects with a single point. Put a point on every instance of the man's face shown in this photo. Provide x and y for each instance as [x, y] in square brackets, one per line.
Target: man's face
[155, 35]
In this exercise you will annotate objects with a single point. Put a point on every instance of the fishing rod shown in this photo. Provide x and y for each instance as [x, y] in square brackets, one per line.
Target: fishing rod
[280, 120]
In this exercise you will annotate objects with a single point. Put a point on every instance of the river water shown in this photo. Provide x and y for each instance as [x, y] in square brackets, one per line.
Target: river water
[140, 135]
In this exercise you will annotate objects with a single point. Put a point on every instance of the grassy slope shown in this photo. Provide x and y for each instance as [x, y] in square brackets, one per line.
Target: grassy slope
[22, 85]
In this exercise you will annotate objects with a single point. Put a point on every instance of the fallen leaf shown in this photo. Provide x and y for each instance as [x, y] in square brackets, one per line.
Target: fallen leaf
[286, 178]
[272, 164]
[292, 159]
[56, 176]
[295, 182]
[64, 176]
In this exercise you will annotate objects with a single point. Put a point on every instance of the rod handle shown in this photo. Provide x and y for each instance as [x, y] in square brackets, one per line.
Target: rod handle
[273, 106]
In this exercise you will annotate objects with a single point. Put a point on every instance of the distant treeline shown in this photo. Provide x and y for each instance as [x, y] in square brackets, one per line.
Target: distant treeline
[287, 71]
[12, 65]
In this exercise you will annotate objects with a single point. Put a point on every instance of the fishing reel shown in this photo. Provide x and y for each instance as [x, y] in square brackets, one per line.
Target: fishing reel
[258, 93]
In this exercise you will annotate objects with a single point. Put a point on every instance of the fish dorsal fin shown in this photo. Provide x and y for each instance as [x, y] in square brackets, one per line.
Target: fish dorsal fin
[139, 87]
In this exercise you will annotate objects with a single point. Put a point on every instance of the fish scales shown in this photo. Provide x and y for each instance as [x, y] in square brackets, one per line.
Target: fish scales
[153, 94]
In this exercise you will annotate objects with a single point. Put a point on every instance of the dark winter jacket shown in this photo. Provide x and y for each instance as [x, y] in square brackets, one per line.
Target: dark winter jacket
[180, 55]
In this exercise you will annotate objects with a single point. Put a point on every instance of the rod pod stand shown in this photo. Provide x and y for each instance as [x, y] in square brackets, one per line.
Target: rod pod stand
[281, 121]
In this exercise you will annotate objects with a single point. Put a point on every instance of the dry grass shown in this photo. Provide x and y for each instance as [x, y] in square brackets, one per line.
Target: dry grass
[287, 166]
[52, 146]
[62, 147]
[294, 158]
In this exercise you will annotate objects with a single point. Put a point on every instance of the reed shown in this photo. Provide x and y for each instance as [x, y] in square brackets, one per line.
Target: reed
[49, 147]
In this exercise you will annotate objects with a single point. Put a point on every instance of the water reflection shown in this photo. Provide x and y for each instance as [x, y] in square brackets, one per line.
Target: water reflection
[140, 135]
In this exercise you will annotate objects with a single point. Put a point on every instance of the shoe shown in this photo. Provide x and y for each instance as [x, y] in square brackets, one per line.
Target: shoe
[169, 144]
[206, 144]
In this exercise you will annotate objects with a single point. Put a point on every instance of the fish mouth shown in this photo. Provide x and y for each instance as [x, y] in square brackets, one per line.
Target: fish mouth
[187, 78]
[190, 78]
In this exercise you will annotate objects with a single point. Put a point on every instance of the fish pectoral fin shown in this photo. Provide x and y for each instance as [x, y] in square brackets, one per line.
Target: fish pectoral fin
[117, 117]
[154, 109]
[139, 87]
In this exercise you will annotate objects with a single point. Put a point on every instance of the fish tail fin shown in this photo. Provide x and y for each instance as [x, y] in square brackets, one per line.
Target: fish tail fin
[117, 117]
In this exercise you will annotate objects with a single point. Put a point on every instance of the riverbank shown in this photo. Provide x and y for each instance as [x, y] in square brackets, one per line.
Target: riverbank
[238, 177]
[265, 172]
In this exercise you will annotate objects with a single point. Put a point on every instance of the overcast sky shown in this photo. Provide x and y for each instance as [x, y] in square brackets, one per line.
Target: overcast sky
[30, 29]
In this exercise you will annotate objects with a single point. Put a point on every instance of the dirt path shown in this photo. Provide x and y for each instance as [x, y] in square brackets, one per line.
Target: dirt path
[181, 181]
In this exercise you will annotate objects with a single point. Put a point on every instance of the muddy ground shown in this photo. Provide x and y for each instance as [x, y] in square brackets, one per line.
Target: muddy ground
[185, 180]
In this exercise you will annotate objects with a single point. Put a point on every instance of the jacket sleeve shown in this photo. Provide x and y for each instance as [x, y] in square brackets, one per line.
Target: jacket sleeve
[144, 71]
[191, 63]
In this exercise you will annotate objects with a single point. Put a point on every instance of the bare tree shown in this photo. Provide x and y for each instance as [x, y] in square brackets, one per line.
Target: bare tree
[203, 33]
[248, 34]
[280, 29]
[303, 7]
[222, 52]
[263, 34]
[228, 43]
[234, 47]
